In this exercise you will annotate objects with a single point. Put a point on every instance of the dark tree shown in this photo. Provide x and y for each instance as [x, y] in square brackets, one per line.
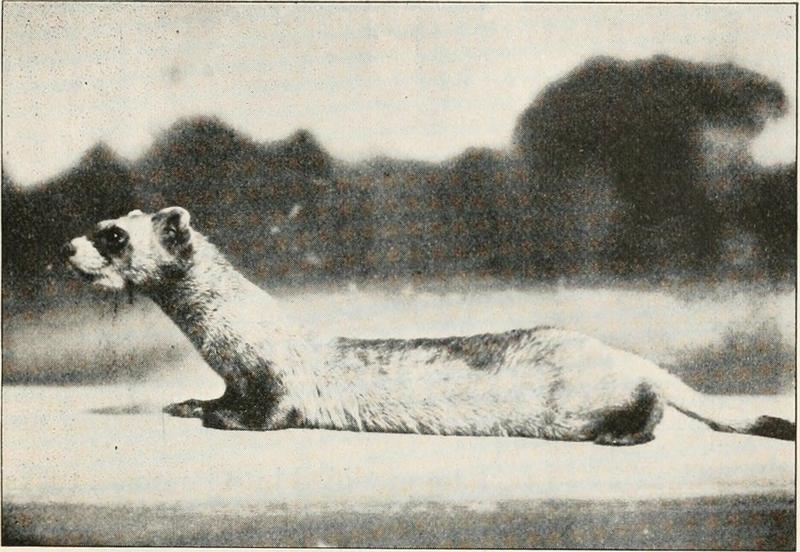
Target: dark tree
[641, 123]
[466, 199]
[345, 229]
[770, 212]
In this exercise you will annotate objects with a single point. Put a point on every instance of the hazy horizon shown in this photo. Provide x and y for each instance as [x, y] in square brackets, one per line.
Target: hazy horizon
[418, 82]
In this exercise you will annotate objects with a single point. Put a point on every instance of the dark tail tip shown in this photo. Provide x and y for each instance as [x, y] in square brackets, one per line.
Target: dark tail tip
[776, 428]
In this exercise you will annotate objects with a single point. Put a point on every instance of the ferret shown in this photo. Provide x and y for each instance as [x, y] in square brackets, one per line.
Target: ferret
[542, 382]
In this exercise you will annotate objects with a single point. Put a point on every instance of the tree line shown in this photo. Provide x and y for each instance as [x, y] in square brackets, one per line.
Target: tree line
[634, 170]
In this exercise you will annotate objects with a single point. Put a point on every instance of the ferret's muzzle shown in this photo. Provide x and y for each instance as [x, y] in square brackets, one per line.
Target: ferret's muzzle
[69, 253]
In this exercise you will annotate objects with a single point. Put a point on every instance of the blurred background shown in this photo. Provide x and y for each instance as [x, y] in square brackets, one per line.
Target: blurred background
[407, 170]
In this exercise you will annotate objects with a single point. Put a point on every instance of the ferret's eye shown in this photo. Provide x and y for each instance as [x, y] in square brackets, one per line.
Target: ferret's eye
[115, 239]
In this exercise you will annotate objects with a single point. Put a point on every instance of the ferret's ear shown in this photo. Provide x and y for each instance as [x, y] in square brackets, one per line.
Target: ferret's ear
[172, 224]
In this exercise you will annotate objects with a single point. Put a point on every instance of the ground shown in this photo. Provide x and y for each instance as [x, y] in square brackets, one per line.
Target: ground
[87, 463]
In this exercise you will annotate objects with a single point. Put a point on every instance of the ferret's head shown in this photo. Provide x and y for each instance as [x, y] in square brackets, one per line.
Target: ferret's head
[136, 250]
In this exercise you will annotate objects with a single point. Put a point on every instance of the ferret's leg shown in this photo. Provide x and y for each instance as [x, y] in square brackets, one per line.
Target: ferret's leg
[628, 424]
[225, 412]
[221, 413]
[250, 402]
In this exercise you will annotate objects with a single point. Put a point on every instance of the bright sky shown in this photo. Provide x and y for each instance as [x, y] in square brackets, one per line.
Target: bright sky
[418, 81]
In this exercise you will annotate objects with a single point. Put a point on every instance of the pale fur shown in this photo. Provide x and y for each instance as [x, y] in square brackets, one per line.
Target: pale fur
[544, 382]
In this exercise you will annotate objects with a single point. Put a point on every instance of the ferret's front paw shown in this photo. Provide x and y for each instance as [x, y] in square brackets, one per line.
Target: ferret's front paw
[192, 408]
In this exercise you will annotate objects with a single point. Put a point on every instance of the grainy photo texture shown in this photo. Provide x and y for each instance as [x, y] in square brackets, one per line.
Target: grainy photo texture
[399, 275]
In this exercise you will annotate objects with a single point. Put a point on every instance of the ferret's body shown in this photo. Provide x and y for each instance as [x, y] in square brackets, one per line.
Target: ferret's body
[542, 382]
[529, 383]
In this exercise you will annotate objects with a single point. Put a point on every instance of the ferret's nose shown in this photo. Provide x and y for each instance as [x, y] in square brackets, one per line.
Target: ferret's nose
[67, 251]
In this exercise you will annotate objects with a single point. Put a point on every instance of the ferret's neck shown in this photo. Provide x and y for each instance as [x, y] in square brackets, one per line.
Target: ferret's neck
[212, 292]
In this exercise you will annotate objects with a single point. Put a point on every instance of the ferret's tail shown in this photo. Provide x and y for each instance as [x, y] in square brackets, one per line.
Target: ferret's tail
[760, 415]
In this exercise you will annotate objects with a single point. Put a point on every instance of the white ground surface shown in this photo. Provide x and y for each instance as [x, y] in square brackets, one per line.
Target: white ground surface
[111, 445]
